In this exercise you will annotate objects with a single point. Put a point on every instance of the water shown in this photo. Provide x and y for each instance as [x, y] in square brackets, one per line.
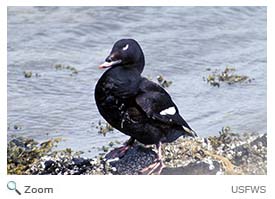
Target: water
[178, 42]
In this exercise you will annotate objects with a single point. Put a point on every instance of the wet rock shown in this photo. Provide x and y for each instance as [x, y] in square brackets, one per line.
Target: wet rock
[81, 161]
[135, 159]
[227, 153]
[27, 74]
[195, 168]
[260, 141]
[48, 164]
[24, 153]
[251, 157]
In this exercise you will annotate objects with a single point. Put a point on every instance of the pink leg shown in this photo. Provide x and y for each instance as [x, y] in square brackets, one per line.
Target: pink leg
[120, 151]
[157, 166]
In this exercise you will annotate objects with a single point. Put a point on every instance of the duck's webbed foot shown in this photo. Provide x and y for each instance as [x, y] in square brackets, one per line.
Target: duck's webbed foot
[120, 151]
[157, 166]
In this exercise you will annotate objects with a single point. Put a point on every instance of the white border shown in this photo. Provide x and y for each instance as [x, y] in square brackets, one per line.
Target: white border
[270, 88]
[3, 89]
[138, 186]
[137, 2]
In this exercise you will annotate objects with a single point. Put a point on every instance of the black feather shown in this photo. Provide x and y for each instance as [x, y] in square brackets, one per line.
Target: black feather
[132, 104]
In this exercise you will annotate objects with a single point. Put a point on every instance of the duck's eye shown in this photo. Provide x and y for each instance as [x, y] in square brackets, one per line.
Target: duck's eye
[125, 47]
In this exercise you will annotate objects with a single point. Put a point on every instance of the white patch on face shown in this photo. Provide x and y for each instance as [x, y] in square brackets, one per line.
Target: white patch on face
[168, 111]
[125, 47]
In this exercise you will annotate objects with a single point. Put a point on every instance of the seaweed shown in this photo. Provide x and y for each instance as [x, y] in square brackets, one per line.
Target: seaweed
[24, 152]
[163, 82]
[104, 128]
[226, 153]
[72, 69]
[29, 74]
[226, 76]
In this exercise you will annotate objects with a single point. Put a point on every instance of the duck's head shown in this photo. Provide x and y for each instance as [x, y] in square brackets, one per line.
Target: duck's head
[125, 53]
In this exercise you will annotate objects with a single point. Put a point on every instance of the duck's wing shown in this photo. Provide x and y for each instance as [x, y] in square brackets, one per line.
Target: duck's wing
[158, 105]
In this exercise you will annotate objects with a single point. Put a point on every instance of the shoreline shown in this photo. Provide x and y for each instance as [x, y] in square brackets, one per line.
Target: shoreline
[225, 154]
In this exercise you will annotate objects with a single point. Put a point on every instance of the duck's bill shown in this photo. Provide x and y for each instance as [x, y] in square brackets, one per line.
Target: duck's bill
[109, 64]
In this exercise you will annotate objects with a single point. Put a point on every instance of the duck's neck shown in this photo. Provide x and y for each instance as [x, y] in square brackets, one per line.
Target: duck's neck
[139, 63]
[139, 66]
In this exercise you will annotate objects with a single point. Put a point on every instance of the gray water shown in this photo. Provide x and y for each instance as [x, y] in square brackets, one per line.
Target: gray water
[178, 42]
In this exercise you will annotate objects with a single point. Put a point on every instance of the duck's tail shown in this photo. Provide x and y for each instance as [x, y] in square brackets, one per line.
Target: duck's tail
[190, 132]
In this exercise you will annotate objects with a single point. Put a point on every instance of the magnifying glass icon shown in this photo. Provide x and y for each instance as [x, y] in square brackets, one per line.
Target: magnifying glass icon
[12, 186]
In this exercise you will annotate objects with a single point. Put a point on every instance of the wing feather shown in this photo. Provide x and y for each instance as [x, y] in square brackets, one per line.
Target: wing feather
[154, 100]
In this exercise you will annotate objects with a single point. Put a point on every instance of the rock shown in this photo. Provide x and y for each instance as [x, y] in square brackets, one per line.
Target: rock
[261, 139]
[81, 162]
[48, 164]
[135, 159]
[27, 74]
[227, 153]
[197, 168]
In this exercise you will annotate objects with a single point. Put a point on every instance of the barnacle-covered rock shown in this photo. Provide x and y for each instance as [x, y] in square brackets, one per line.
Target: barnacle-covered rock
[227, 153]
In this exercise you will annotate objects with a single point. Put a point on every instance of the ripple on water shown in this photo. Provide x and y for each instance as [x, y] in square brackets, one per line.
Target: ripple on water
[178, 42]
